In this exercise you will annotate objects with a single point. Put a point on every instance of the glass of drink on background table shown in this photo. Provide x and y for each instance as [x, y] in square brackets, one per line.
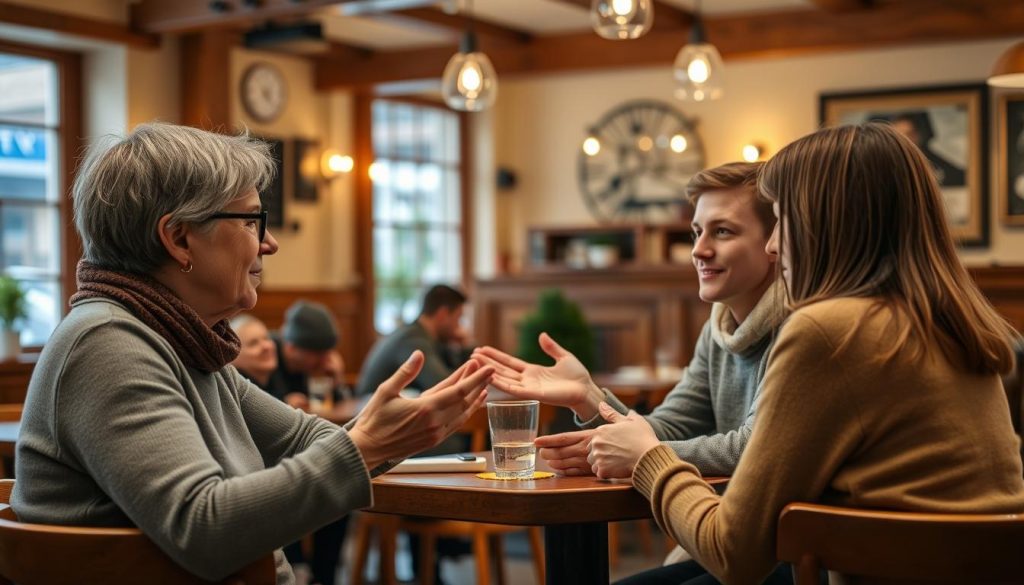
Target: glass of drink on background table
[513, 426]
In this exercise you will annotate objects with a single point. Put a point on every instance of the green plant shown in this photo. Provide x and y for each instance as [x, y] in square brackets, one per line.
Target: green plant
[13, 302]
[563, 320]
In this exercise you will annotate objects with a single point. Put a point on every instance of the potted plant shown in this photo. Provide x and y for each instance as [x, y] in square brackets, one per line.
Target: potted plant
[13, 308]
[563, 320]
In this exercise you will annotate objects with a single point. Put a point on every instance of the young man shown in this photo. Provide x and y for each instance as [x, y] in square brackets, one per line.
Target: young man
[436, 329]
[708, 417]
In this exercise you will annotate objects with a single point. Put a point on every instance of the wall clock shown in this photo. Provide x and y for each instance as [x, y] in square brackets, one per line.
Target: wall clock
[264, 92]
[635, 164]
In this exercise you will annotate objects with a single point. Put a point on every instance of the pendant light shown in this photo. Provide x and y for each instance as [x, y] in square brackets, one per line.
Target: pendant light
[698, 66]
[469, 83]
[1009, 69]
[622, 19]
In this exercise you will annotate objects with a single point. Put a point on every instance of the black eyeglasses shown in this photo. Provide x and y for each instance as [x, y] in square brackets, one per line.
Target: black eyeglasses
[260, 215]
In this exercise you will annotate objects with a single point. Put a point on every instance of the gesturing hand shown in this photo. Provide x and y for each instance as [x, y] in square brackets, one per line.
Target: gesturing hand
[616, 447]
[567, 383]
[567, 452]
[391, 426]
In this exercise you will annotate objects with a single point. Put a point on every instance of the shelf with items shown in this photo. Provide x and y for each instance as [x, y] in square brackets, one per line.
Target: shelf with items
[607, 246]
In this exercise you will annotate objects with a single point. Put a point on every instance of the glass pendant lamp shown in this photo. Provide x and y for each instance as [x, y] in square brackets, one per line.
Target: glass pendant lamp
[622, 19]
[698, 67]
[469, 83]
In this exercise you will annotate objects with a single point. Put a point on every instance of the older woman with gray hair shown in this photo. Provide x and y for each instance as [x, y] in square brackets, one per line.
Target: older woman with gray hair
[134, 415]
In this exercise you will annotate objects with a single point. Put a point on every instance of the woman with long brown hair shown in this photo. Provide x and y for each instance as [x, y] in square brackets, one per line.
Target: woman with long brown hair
[883, 388]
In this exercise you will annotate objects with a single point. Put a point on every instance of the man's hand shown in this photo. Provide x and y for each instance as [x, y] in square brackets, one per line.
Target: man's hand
[567, 383]
[567, 453]
[616, 447]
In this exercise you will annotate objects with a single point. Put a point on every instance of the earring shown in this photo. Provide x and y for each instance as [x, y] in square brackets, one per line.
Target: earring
[187, 269]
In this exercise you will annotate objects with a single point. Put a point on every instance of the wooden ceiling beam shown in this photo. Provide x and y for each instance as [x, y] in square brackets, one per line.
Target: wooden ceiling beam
[487, 31]
[21, 15]
[162, 16]
[665, 15]
[843, 5]
[736, 36]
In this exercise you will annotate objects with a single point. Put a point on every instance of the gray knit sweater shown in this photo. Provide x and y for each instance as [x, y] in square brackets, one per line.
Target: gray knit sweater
[708, 417]
[118, 432]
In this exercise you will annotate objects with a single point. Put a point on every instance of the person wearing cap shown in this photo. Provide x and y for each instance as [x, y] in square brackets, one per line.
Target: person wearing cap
[306, 348]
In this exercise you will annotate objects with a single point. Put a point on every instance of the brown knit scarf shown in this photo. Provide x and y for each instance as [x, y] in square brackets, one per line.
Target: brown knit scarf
[197, 345]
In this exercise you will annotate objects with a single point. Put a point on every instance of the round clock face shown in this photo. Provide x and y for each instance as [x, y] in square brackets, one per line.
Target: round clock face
[263, 92]
[636, 162]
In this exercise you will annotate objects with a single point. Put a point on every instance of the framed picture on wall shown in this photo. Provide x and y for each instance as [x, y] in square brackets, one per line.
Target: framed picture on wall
[306, 169]
[948, 124]
[272, 198]
[1010, 125]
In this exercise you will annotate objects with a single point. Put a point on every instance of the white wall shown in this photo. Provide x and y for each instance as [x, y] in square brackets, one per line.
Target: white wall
[541, 122]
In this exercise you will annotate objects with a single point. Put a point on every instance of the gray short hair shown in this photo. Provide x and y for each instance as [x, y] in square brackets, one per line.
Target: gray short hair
[126, 184]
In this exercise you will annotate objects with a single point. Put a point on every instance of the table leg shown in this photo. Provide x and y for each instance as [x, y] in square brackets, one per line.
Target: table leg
[576, 554]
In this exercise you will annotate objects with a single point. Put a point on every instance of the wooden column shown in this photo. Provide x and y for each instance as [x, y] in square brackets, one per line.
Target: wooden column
[206, 79]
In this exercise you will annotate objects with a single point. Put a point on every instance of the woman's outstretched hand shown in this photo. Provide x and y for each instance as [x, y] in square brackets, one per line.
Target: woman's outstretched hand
[567, 383]
[392, 427]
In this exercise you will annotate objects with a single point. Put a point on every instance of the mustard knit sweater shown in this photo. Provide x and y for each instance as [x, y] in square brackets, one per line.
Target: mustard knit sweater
[837, 426]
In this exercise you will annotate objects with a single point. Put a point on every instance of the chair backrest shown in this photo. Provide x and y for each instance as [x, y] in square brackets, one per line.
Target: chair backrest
[32, 554]
[942, 548]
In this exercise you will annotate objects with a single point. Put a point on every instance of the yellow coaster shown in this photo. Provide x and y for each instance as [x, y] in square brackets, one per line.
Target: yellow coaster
[536, 475]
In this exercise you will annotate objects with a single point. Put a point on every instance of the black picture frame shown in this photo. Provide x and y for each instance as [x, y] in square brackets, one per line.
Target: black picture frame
[950, 124]
[305, 167]
[1010, 125]
[272, 197]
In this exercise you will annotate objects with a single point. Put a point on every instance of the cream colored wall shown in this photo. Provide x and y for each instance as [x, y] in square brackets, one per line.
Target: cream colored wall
[540, 122]
[321, 252]
[154, 86]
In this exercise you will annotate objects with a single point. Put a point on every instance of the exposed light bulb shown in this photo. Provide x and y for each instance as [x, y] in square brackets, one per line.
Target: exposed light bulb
[591, 146]
[678, 143]
[752, 152]
[470, 79]
[644, 143]
[621, 19]
[698, 70]
[340, 164]
[623, 7]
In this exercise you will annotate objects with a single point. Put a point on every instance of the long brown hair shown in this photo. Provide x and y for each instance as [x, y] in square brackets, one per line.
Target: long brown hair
[862, 216]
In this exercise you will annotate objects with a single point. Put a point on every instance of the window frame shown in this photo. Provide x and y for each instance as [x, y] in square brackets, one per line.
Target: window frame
[69, 133]
[363, 114]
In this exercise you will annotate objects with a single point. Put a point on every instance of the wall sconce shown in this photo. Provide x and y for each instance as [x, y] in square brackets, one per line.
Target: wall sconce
[753, 152]
[1009, 69]
[333, 163]
[592, 145]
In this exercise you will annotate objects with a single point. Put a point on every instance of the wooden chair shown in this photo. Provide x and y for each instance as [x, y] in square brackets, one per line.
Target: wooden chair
[939, 548]
[486, 539]
[41, 554]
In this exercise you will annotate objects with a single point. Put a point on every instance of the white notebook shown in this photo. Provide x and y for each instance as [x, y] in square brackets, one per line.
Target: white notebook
[441, 463]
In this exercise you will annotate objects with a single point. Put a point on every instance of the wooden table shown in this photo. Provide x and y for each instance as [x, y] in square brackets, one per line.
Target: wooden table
[574, 511]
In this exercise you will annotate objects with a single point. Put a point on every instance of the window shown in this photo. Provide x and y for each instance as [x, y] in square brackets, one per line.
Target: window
[31, 184]
[417, 206]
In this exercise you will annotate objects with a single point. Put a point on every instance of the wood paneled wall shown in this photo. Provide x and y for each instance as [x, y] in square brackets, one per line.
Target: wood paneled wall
[636, 313]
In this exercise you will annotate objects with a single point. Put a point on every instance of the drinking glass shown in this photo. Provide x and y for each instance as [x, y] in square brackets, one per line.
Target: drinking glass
[513, 426]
